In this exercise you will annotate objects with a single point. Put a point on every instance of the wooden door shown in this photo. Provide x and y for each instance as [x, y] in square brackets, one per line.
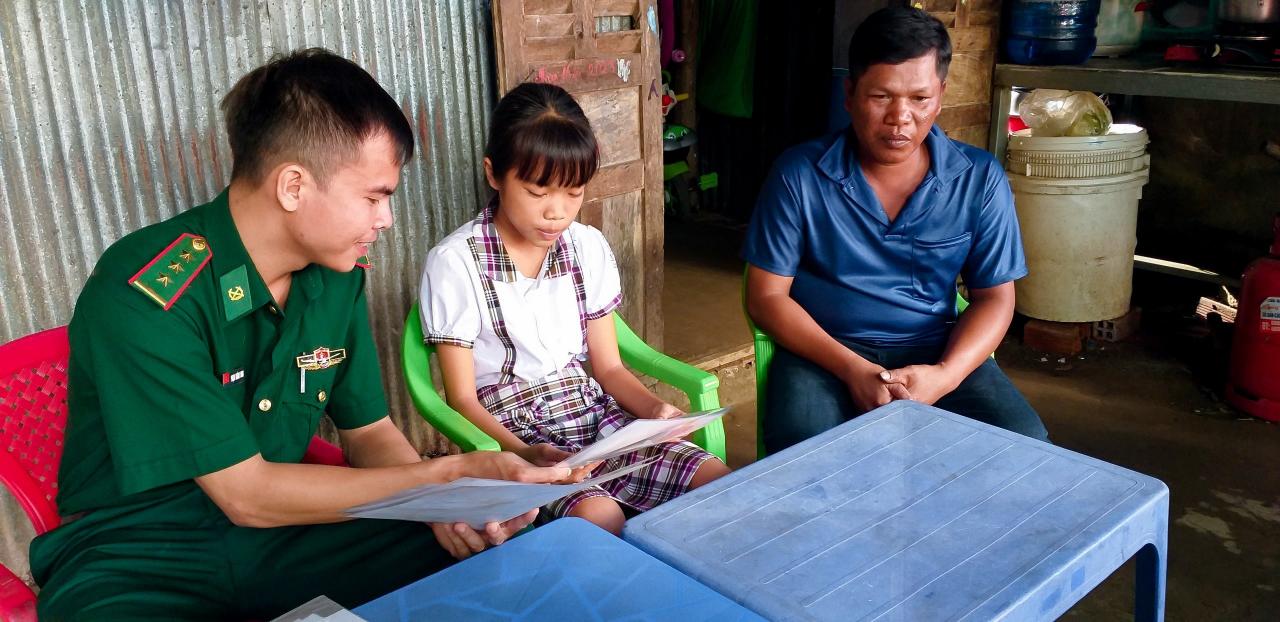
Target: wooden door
[604, 52]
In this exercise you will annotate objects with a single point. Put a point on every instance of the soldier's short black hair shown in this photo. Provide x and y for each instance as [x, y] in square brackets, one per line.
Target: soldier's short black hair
[896, 34]
[541, 133]
[309, 106]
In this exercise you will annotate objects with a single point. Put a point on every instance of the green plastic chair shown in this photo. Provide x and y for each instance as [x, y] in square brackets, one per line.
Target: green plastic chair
[764, 347]
[701, 387]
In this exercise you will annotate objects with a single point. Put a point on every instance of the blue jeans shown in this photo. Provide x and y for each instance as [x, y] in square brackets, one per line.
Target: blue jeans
[803, 400]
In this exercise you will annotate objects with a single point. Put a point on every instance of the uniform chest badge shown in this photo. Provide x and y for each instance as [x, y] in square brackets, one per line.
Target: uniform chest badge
[321, 358]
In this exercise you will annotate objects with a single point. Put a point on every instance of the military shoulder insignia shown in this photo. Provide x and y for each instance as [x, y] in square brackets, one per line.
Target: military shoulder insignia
[167, 276]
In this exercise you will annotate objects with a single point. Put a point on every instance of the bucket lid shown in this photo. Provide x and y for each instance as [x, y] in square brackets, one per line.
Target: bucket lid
[1121, 136]
[1078, 170]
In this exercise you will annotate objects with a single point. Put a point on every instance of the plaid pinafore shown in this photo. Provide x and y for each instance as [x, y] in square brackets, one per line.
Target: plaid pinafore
[568, 409]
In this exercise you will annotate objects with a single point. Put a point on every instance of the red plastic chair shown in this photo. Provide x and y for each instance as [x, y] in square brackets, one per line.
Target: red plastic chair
[33, 414]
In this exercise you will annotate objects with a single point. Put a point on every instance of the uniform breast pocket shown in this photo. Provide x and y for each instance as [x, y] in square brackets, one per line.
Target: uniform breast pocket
[936, 264]
[302, 405]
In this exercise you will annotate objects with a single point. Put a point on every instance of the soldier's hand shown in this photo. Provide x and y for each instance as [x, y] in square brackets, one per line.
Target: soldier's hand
[509, 466]
[543, 454]
[461, 541]
[497, 533]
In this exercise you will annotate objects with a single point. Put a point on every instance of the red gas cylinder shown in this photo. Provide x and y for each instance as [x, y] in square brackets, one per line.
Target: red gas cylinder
[1254, 383]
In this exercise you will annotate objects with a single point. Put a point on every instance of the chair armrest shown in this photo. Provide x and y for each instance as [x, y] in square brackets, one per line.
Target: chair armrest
[700, 386]
[416, 361]
[17, 601]
[448, 421]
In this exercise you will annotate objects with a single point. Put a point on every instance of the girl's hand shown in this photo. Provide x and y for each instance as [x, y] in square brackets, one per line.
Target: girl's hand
[664, 411]
[542, 454]
[581, 473]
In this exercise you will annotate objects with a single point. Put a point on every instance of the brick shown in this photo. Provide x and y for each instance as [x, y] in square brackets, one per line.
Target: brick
[1208, 307]
[1053, 337]
[1120, 328]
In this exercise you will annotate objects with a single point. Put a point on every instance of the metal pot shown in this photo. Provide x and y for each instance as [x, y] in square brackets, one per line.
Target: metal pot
[1249, 11]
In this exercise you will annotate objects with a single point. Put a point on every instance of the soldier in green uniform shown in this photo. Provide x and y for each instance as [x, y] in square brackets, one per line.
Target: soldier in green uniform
[204, 351]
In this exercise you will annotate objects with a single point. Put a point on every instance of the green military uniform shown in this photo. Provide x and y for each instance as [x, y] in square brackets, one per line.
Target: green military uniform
[182, 365]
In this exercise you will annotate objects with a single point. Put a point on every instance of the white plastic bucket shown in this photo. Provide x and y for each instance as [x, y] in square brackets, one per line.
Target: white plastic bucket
[1079, 236]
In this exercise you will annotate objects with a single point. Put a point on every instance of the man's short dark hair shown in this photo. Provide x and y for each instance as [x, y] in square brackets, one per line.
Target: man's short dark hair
[896, 34]
[310, 106]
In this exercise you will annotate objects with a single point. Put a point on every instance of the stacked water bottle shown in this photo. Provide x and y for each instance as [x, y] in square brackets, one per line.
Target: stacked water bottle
[1050, 32]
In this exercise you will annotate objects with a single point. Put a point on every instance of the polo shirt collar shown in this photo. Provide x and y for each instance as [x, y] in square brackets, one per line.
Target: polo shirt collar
[840, 161]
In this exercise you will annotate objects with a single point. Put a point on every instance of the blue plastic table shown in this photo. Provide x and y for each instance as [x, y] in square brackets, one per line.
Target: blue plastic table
[567, 570]
[914, 513]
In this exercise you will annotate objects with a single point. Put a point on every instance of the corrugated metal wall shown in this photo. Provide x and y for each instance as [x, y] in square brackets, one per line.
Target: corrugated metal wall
[109, 119]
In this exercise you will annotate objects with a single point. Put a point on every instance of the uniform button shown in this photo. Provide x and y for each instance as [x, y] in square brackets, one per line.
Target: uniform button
[272, 309]
[322, 396]
[264, 405]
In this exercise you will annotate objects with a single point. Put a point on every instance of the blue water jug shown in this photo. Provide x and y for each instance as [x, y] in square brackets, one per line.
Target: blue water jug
[1050, 32]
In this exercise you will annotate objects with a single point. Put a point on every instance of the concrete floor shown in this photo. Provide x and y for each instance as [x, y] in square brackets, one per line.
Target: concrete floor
[1135, 404]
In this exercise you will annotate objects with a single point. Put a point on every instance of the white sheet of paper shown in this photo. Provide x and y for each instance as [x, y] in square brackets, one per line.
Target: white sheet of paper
[475, 501]
[642, 433]
[319, 609]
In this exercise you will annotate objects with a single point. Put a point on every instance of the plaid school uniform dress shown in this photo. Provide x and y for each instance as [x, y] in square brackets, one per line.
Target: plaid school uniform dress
[566, 408]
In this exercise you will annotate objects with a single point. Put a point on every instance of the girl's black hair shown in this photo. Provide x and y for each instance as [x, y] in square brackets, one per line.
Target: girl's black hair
[541, 133]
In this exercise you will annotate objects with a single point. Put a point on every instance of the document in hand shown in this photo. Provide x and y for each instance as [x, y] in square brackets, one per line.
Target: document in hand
[475, 501]
[319, 609]
[642, 433]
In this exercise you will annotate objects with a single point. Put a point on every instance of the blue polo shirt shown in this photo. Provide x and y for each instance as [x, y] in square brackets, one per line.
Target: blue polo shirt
[867, 280]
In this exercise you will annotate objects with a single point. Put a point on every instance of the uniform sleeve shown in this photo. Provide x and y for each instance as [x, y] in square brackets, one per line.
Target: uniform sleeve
[775, 240]
[166, 415]
[357, 395]
[448, 304]
[599, 273]
[996, 255]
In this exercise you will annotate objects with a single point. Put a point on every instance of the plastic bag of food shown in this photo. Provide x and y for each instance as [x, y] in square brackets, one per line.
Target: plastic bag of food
[1054, 112]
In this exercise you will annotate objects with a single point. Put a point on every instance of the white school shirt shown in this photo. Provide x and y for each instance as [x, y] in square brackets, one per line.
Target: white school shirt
[540, 315]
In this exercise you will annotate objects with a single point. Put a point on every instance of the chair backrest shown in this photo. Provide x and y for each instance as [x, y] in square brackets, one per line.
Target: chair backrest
[33, 420]
[33, 415]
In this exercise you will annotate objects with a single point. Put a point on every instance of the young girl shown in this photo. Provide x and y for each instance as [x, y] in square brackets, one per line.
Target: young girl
[519, 298]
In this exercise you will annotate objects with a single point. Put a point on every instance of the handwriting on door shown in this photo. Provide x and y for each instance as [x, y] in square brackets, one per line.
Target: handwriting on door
[573, 72]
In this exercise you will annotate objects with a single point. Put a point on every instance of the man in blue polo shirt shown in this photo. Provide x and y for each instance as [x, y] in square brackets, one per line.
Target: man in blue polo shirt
[856, 244]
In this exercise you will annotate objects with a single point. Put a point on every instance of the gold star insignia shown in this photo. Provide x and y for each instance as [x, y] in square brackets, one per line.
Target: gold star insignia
[176, 267]
[186, 256]
[163, 279]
